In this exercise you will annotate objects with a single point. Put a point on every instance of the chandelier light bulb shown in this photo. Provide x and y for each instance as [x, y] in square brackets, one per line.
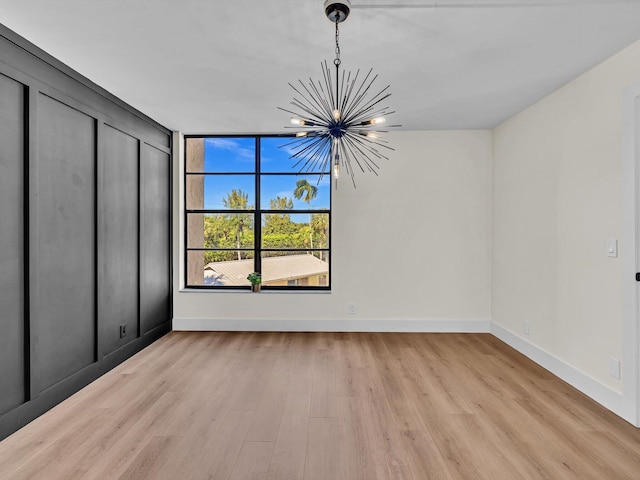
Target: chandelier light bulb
[297, 121]
[301, 134]
[336, 114]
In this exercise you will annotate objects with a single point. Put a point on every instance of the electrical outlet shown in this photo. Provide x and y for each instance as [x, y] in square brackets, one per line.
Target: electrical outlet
[123, 330]
[351, 308]
[614, 368]
[526, 327]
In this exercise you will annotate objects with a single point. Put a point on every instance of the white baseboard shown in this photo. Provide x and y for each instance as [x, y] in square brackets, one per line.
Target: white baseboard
[337, 325]
[602, 394]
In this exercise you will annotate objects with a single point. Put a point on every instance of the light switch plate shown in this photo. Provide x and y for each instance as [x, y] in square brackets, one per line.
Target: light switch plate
[612, 247]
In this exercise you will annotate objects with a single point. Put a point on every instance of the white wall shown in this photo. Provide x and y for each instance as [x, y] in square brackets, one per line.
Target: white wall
[557, 198]
[411, 249]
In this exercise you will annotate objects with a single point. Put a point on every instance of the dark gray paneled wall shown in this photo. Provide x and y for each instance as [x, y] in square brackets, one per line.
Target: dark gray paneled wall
[84, 231]
[63, 302]
[118, 233]
[155, 171]
[12, 367]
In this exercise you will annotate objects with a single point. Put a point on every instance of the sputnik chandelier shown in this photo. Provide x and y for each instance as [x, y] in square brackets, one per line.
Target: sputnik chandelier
[338, 122]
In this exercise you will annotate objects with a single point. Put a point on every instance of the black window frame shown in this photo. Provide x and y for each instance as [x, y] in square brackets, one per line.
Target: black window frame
[258, 211]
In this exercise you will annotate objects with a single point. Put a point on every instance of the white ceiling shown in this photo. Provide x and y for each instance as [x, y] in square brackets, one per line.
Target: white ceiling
[222, 66]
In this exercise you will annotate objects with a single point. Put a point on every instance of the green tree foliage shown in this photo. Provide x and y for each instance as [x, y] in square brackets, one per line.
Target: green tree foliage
[239, 200]
[320, 230]
[232, 230]
[235, 229]
[278, 229]
[281, 203]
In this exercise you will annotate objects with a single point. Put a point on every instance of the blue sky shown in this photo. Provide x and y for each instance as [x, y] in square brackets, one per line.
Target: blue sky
[237, 155]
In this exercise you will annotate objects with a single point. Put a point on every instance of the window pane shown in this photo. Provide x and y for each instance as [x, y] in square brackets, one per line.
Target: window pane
[302, 230]
[308, 187]
[275, 156]
[217, 267]
[222, 155]
[295, 269]
[220, 230]
[216, 192]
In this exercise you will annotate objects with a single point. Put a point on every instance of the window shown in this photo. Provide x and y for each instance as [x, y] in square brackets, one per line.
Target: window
[247, 209]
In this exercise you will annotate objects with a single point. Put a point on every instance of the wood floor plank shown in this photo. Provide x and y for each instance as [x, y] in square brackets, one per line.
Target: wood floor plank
[289, 451]
[62, 449]
[331, 406]
[322, 449]
[253, 461]
[324, 399]
[148, 463]
[222, 450]
[356, 457]
[266, 421]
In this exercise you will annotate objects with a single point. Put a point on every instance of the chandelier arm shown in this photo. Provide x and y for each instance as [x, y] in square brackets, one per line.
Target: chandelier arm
[362, 117]
[310, 109]
[377, 98]
[351, 85]
[312, 122]
[378, 142]
[327, 98]
[320, 161]
[311, 100]
[310, 136]
[294, 142]
[346, 90]
[318, 96]
[360, 101]
[302, 144]
[310, 148]
[359, 92]
[358, 157]
[347, 165]
[317, 92]
[313, 118]
[368, 145]
[365, 116]
[341, 99]
[314, 99]
[364, 149]
[351, 153]
[313, 153]
[322, 156]
[345, 157]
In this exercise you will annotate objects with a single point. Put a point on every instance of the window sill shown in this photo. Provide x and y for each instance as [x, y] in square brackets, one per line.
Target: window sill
[261, 292]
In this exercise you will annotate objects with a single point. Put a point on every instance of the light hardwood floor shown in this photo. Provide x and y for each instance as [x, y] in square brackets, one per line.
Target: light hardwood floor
[306, 406]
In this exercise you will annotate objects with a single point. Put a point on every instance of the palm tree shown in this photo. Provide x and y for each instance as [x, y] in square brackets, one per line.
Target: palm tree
[307, 192]
[238, 200]
[320, 224]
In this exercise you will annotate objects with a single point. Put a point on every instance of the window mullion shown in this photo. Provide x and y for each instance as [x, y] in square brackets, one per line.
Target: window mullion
[257, 217]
